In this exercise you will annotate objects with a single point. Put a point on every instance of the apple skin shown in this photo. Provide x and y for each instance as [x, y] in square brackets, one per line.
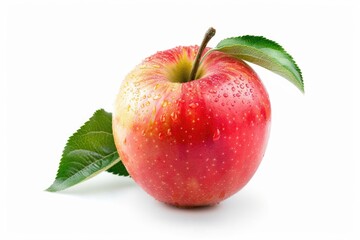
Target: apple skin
[191, 143]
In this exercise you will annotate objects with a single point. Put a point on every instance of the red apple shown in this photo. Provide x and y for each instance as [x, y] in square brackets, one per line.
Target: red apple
[191, 142]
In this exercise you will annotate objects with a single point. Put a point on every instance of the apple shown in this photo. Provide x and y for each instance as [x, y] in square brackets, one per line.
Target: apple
[190, 133]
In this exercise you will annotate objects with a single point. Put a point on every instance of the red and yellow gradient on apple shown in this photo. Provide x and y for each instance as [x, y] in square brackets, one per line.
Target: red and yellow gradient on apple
[191, 143]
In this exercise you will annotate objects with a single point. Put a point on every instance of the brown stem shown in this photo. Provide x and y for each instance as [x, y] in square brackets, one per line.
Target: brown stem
[208, 35]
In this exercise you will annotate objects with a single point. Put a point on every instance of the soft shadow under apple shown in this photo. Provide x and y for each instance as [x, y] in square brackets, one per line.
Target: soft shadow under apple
[241, 208]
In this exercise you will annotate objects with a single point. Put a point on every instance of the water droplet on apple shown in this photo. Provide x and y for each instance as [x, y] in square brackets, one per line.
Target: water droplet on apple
[165, 103]
[212, 91]
[216, 100]
[161, 136]
[169, 132]
[174, 116]
[236, 81]
[233, 89]
[225, 95]
[162, 118]
[238, 94]
[216, 135]
[194, 105]
[242, 86]
[156, 97]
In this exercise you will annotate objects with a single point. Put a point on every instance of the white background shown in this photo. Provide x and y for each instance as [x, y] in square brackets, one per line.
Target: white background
[62, 60]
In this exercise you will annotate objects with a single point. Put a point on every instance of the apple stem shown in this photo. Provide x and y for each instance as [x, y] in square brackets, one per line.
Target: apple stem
[208, 35]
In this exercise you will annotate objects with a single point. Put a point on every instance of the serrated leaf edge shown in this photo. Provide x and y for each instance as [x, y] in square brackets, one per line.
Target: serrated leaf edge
[77, 133]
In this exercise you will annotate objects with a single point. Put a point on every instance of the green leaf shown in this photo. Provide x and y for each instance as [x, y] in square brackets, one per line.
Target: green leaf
[118, 169]
[265, 53]
[88, 152]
